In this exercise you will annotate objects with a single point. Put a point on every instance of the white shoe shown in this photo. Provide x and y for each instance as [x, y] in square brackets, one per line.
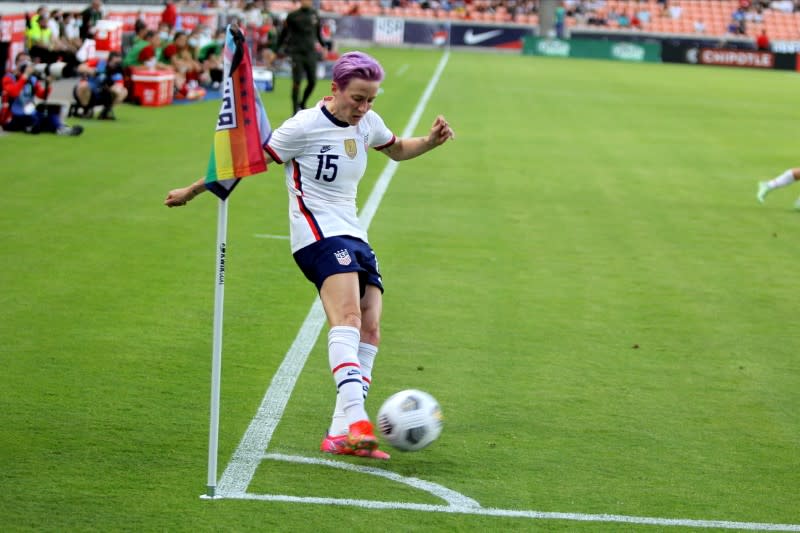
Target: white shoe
[763, 189]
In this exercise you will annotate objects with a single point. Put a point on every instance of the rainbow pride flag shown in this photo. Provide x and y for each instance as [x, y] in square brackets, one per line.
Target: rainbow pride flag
[242, 126]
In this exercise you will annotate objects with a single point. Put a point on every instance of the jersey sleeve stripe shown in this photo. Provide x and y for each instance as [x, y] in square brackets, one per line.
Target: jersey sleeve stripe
[391, 142]
[272, 154]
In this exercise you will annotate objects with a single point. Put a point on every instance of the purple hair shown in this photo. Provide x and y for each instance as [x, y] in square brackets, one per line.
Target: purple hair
[356, 65]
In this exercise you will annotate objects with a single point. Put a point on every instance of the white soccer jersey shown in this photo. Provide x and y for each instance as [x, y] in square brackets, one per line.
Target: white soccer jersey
[325, 159]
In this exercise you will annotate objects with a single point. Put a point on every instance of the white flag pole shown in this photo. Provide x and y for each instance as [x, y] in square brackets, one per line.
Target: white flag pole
[216, 351]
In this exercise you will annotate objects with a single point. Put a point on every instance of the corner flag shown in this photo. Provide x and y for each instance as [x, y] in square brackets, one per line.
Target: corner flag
[242, 131]
[242, 126]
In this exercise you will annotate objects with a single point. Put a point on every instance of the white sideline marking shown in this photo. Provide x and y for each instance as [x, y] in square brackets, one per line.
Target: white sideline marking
[250, 452]
[510, 513]
[240, 470]
[269, 236]
[455, 499]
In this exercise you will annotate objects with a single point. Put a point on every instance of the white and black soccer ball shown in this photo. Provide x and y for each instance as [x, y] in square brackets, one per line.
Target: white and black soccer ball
[410, 420]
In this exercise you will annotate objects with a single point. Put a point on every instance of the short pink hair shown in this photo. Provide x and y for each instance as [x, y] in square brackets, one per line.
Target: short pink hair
[356, 65]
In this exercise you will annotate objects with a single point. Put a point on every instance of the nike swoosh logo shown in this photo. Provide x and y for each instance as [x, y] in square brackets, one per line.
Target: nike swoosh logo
[476, 38]
[325, 148]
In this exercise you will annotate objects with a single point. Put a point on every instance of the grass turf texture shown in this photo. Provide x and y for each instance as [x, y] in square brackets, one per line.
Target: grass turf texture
[584, 280]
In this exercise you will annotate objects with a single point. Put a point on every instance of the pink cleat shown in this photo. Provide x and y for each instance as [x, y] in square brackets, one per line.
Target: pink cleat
[338, 445]
[361, 437]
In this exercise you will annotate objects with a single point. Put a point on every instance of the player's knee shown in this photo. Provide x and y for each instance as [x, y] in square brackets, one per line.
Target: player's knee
[349, 318]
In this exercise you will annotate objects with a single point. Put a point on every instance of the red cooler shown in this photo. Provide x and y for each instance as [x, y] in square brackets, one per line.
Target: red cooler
[152, 87]
[108, 36]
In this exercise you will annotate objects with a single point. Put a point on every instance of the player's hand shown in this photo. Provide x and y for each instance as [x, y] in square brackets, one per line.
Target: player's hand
[179, 197]
[440, 132]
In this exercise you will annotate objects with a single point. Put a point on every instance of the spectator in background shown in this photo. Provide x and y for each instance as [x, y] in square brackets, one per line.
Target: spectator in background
[699, 26]
[253, 15]
[170, 14]
[755, 14]
[561, 20]
[150, 55]
[72, 31]
[47, 51]
[762, 41]
[140, 17]
[300, 33]
[784, 180]
[62, 49]
[165, 32]
[139, 42]
[636, 24]
[253, 20]
[199, 37]
[740, 18]
[266, 42]
[211, 57]
[643, 15]
[327, 31]
[38, 36]
[20, 111]
[101, 84]
[55, 23]
[188, 70]
[89, 18]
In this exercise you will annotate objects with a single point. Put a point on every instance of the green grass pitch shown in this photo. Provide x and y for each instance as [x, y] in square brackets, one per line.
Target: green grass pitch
[583, 279]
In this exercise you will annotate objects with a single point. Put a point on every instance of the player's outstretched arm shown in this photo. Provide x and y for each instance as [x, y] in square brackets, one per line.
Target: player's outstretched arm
[179, 197]
[412, 147]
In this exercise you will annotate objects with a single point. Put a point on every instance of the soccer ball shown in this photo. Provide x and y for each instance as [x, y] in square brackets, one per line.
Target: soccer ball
[410, 420]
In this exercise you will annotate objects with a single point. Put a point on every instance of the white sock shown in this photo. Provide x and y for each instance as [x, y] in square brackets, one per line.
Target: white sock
[343, 360]
[339, 425]
[785, 179]
[366, 357]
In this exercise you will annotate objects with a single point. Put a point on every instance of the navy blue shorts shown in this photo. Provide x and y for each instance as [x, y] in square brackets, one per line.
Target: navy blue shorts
[335, 255]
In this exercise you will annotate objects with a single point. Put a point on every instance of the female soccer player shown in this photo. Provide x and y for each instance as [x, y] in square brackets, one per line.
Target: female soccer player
[325, 148]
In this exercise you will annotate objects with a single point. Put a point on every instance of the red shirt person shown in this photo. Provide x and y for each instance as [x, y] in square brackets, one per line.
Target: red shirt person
[170, 15]
[762, 41]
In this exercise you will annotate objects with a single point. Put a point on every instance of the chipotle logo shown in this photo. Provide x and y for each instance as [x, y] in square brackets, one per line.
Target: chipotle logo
[736, 58]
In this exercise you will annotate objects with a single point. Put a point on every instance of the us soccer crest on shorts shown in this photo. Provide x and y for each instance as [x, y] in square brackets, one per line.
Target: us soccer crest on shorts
[343, 257]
